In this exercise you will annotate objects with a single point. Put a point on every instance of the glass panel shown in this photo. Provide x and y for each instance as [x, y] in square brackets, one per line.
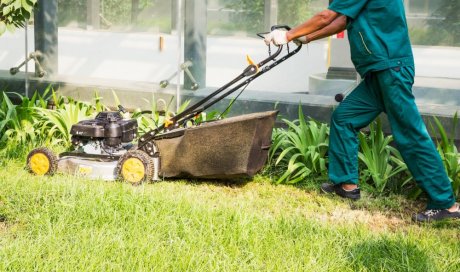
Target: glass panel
[230, 17]
[434, 22]
[135, 41]
[232, 28]
[245, 17]
[15, 60]
[295, 12]
[117, 39]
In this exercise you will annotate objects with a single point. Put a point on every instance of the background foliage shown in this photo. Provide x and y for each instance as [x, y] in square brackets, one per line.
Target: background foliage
[249, 14]
[116, 12]
[449, 25]
[14, 13]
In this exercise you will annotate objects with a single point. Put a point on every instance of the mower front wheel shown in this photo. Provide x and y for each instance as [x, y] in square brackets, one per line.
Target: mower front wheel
[42, 161]
[135, 167]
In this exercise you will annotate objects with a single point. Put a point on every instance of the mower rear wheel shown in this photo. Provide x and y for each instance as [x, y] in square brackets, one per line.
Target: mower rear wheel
[42, 161]
[135, 167]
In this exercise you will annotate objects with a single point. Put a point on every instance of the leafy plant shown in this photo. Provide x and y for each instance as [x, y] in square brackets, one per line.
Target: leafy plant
[213, 115]
[448, 151]
[382, 161]
[56, 124]
[14, 13]
[99, 106]
[301, 149]
[19, 125]
[17, 122]
[152, 118]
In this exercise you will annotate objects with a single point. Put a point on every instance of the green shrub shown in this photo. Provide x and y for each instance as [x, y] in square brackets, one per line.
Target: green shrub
[30, 124]
[153, 118]
[382, 161]
[56, 124]
[300, 150]
[448, 151]
[17, 125]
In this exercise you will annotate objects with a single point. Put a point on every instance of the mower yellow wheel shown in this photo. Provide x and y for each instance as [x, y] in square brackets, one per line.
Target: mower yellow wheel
[39, 164]
[133, 170]
[135, 167]
[42, 161]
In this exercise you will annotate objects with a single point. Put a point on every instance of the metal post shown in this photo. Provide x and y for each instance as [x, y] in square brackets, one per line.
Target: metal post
[195, 41]
[179, 26]
[26, 38]
[93, 10]
[271, 13]
[46, 35]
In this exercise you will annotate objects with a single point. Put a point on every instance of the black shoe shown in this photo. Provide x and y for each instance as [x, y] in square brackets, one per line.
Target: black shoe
[433, 215]
[330, 188]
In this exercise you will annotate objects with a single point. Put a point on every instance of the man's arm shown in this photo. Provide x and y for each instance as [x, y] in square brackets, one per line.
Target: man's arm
[318, 22]
[338, 25]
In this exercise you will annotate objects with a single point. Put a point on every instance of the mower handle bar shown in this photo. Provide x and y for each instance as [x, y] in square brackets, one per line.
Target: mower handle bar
[249, 71]
[262, 34]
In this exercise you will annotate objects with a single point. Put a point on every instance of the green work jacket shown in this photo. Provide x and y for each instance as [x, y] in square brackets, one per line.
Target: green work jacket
[377, 32]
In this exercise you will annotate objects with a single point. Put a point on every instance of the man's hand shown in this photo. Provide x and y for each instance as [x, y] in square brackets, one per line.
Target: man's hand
[277, 37]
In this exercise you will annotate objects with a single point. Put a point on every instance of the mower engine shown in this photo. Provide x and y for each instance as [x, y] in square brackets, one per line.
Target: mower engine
[108, 134]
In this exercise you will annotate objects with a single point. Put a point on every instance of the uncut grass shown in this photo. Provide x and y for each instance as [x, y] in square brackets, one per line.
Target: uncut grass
[69, 223]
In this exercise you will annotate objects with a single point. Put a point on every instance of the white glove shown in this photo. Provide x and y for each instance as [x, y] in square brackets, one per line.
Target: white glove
[277, 37]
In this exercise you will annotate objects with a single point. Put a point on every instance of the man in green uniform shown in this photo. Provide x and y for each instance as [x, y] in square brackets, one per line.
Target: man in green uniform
[382, 55]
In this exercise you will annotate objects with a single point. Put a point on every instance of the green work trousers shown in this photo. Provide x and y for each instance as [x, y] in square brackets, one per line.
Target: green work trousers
[388, 91]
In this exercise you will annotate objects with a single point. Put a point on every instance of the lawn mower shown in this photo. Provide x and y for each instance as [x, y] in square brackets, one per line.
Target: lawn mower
[235, 147]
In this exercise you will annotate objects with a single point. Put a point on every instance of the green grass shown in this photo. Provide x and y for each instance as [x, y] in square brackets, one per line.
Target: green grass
[64, 223]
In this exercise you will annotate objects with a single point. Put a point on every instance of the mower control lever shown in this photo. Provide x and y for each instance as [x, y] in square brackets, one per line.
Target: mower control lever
[121, 109]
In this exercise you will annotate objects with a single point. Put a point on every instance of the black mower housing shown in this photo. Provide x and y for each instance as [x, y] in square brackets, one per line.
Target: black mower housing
[108, 125]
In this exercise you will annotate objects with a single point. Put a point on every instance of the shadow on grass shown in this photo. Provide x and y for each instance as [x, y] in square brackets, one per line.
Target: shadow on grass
[388, 255]
[230, 183]
[445, 224]
[391, 204]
